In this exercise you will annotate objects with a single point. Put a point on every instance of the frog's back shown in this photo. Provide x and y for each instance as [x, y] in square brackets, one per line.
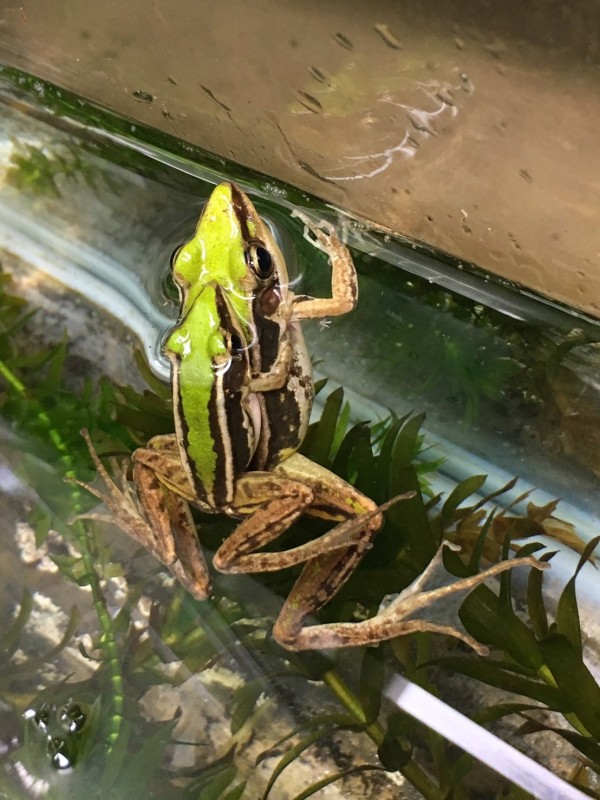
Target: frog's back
[215, 429]
[285, 412]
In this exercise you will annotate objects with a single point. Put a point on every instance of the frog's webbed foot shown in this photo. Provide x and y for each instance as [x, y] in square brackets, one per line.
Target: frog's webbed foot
[117, 495]
[321, 234]
[169, 534]
[389, 623]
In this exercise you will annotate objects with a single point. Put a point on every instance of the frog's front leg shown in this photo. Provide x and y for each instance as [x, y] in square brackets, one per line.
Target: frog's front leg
[277, 375]
[157, 514]
[344, 283]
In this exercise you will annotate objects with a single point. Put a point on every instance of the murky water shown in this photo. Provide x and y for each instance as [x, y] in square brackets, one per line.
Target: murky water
[180, 698]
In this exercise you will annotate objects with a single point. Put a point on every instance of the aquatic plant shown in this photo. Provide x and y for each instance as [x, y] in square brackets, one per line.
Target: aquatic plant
[103, 722]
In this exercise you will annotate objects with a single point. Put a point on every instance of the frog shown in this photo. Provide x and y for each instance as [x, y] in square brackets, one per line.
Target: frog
[242, 397]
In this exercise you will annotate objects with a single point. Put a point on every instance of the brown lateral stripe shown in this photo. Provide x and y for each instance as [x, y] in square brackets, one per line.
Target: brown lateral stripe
[231, 430]
[282, 406]
[268, 335]
[239, 206]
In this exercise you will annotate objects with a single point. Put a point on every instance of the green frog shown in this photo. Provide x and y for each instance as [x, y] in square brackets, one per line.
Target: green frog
[242, 396]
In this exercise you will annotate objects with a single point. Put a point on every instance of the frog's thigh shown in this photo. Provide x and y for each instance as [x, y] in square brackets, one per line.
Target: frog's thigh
[190, 567]
[176, 542]
[161, 457]
[273, 501]
[334, 498]
[164, 491]
[270, 504]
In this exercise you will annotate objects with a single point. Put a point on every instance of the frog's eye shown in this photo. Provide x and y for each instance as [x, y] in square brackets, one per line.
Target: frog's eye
[260, 261]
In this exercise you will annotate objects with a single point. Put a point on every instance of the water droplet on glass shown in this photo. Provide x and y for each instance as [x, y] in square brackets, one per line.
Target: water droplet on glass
[320, 75]
[275, 191]
[466, 83]
[142, 97]
[525, 175]
[445, 96]
[343, 41]
[421, 121]
[387, 36]
[309, 102]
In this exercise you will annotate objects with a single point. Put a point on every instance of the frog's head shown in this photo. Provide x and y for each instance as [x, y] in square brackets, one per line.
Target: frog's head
[234, 249]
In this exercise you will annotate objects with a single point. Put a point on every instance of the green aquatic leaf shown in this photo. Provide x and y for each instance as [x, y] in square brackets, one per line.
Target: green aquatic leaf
[535, 599]
[459, 494]
[567, 613]
[336, 776]
[410, 517]
[329, 722]
[213, 789]
[499, 677]
[244, 700]
[406, 442]
[341, 464]
[457, 771]
[384, 459]
[9, 640]
[396, 749]
[364, 462]
[320, 437]
[574, 680]
[340, 430]
[586, 745]
[454, 563]
[492, 714]
[291, 755]
[235, 793]
[488, 619]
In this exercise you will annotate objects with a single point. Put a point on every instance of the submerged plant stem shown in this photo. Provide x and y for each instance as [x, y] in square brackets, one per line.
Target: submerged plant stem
[411, 771]
[108, 643]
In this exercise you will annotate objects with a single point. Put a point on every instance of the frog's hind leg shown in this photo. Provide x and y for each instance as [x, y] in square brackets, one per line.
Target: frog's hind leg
[169, 535]
[322, 577]
[164, 492]
[176, 542]
[271, 502]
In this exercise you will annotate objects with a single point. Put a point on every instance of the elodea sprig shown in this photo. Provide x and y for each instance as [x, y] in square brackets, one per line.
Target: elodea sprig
[538, 656]
[88, 576]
